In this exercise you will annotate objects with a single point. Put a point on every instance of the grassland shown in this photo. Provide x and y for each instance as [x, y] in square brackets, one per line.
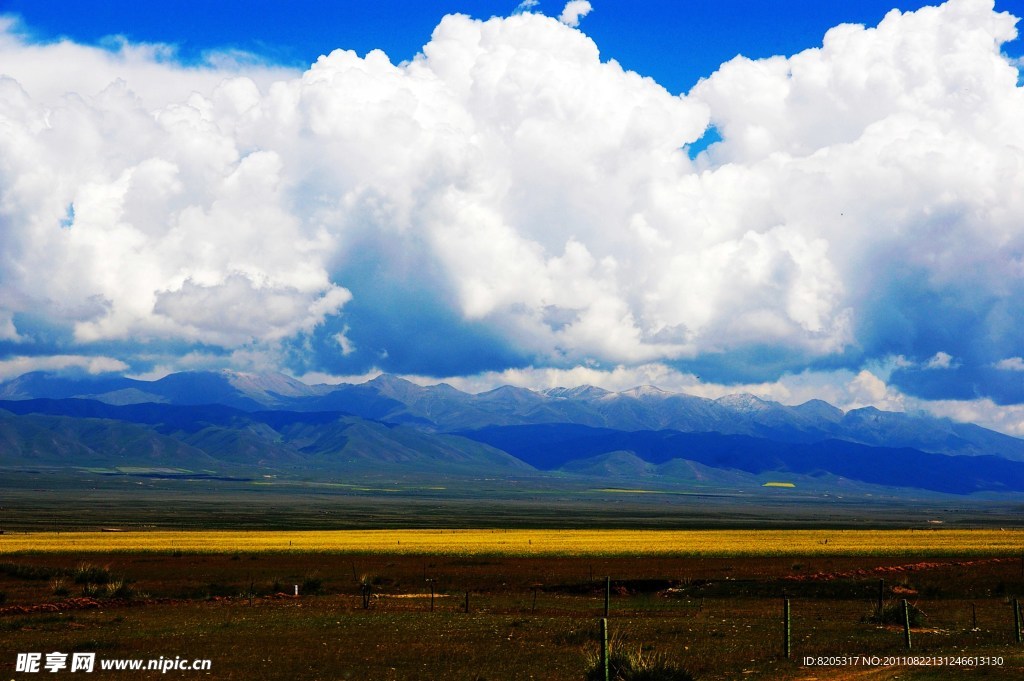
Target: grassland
[200, 565]
[537, 542]
[54, 500]
[530, 617]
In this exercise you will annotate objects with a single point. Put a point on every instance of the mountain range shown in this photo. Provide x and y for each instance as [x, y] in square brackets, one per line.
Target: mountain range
[233, 423]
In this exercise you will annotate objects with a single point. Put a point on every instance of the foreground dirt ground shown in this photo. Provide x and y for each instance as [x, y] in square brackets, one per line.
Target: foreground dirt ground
[373, 617]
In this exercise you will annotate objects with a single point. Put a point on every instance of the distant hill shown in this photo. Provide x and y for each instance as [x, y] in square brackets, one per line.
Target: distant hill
[553, 447]
[251, 422]
[216, 438]
[230, 388]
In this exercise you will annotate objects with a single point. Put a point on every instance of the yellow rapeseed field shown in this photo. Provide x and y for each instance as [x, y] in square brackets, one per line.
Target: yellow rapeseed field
[536, 542]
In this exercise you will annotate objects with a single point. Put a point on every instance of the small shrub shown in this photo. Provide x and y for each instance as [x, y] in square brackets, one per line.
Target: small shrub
[311, 584]
[892, 613]
[87, 573]
[59, 586]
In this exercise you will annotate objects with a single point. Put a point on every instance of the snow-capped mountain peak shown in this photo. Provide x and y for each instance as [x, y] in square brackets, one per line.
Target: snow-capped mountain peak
[645, 391]
[745, 402]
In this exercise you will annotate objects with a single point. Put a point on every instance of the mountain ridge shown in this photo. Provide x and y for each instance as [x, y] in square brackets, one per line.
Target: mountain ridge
[443, 408]
[258, 421]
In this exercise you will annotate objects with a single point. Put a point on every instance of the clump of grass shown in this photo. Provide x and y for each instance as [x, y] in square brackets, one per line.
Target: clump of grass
[311, 584]
[113, 588]
[627, 665]
[892, 613]
[119, 588]
[59, 586]
[87, 573]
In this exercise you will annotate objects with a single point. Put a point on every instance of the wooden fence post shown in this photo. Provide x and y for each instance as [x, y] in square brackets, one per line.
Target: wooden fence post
[1016, 620]
[607, 594]
[787, 630]
[604, 648]
[881, 596]
[906, 624]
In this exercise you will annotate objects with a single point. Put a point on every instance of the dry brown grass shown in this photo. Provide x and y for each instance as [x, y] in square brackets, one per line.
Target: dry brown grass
[722, 621]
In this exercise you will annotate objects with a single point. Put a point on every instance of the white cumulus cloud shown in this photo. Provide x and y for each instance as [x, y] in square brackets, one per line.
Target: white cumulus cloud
[573, 11]
[941, 360]
[1010, 364]
[863, 192]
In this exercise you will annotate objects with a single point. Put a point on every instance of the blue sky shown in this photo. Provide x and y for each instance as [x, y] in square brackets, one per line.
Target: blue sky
[833, 214]
[675, 43]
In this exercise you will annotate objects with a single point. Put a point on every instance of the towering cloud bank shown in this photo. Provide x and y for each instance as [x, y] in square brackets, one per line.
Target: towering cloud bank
[508, 198]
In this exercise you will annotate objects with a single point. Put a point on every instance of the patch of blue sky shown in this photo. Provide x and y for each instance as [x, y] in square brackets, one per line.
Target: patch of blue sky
[710, 136]
[675, 43]
[68, 220]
